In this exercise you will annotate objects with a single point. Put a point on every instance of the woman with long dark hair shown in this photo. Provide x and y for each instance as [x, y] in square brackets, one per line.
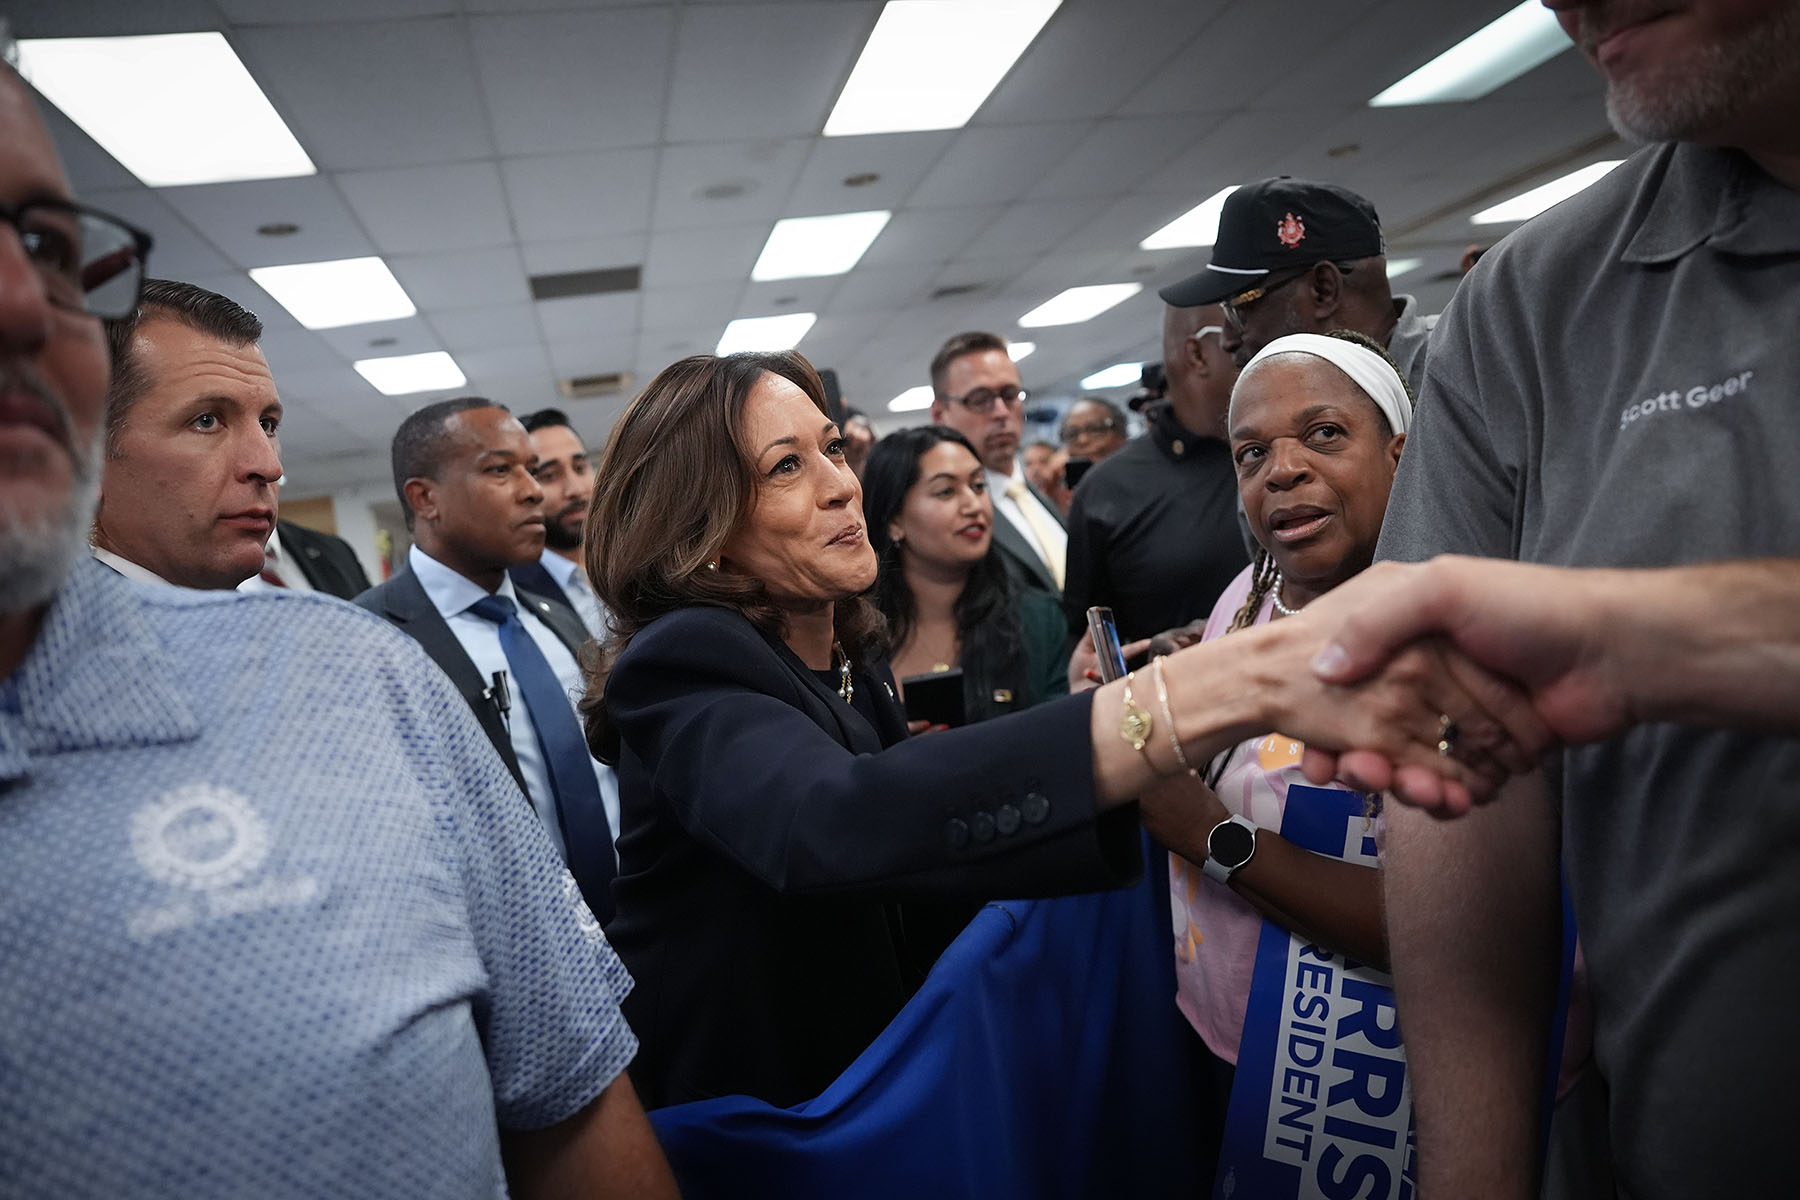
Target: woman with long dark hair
[941, 585]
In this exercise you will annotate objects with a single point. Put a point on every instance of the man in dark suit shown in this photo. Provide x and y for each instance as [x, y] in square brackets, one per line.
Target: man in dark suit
[326, 562]
[462, 469]
[567, 480]
[975, 391]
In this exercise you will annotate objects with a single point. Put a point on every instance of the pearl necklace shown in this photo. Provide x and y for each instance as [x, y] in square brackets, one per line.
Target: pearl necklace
[846, 688]
[1275, 594]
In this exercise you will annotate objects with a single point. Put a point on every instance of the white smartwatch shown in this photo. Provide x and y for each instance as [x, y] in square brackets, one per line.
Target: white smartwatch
[1230, 845]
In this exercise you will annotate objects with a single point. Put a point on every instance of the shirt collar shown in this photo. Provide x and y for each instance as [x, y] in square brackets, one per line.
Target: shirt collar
[564, 572]
[452, 593]
[97, 676]
[1171, 437]
[1706, 195]
[127, 568]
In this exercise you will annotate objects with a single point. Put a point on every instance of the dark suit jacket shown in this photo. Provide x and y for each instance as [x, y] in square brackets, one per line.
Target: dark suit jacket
[402, 600]
[328, 562]
[768, 833]
[1017, 551]
[532, 577]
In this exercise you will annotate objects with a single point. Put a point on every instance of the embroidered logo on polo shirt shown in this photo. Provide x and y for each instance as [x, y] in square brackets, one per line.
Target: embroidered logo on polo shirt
[1676, 400]
[209, 846]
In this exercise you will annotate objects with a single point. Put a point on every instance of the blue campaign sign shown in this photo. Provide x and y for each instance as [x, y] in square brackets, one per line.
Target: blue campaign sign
[1321, 1106]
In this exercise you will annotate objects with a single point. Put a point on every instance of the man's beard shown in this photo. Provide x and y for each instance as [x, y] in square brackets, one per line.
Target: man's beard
[563, 532]
[1695, 99]
[38, 550]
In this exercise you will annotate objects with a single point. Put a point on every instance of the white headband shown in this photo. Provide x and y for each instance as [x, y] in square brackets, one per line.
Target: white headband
[1368, 370]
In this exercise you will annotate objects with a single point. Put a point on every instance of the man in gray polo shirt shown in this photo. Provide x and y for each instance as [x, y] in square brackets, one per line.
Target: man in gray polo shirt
[1613, 385]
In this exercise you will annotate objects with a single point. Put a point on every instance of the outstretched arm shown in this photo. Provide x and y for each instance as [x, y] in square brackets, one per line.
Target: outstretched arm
[608, 1149]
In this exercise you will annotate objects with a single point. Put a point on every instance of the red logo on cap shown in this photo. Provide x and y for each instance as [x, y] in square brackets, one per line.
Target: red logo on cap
[1290, 230]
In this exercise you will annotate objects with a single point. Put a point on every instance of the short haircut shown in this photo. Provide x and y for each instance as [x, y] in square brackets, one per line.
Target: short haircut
[973, 342]
[545, 418]
[424, 438]
[167, 299]
[1112, 410]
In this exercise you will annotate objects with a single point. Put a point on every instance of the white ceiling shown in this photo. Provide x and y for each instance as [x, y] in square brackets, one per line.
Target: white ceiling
[474, 143]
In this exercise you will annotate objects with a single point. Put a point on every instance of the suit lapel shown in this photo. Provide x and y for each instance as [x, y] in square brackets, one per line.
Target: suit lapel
[1025, 557]
[828, 709]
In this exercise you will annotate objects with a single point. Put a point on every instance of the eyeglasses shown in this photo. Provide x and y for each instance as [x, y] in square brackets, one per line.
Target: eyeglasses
[980, 400]
[1234, 306]
[88, 261]
[1200, 333]
[1089, 429]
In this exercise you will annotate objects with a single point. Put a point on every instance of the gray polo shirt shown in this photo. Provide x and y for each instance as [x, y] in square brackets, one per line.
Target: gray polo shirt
[1615, 385]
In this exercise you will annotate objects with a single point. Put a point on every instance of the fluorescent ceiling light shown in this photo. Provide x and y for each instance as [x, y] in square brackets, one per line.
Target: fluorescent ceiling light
[1019, 350]
[1527, 205]
[407, 373]
[1497, 53]
[347, 291]
[929, 64]
[1397, 267]
[766, 333]
[174, 108]
[800, 247]
[1078, 304]
[1118, 375]
[913, 399]
[1198, 226]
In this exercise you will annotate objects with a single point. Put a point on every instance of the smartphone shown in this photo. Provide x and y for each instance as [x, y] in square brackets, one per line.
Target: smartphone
[1074, 469]
[936, 697]
[1106, 643]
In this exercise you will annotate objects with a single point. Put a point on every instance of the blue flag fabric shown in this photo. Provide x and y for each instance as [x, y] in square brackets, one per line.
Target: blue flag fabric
[1043, 1057]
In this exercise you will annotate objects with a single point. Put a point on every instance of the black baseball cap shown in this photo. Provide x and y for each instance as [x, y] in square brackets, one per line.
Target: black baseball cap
[1275, 224]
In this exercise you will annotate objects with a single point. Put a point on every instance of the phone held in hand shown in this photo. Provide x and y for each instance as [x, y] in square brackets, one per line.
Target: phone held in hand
[936, 697]
[1106, 643]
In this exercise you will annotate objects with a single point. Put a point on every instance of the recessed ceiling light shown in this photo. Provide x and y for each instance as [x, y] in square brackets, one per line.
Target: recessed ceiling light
[1527, 205]
[913, 399]
[1396, 267]
[804, 247]
[765, 333]
[861, 179]
[326, 295]
[1125, 374]
[1079, 304]
[404, 374]
[930, 65]
[1198, 226]
[1498, 53]
[176, 108]
[1018, 350]
[278, 229]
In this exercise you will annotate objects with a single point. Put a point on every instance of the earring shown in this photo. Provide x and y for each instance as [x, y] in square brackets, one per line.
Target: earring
[713, 565]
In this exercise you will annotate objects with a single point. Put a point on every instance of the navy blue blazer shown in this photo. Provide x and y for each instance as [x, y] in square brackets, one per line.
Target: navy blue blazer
[769, 829]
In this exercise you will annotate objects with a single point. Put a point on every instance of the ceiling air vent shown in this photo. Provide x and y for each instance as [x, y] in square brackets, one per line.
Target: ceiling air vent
[585, 387]
[585, 283]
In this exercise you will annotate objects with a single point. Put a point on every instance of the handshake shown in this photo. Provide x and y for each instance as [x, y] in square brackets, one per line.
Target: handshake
[1436, 682]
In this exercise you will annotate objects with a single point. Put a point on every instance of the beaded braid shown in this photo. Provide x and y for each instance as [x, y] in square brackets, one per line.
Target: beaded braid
[1263, 574]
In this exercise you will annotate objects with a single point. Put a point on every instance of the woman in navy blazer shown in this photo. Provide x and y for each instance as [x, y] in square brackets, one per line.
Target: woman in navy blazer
[776, 820]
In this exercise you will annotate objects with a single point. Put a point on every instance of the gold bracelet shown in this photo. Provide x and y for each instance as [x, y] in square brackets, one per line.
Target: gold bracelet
[1162, 696]
[1134, 722]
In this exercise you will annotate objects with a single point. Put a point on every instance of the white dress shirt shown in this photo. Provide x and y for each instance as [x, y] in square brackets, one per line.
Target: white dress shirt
[453, 595]
[1007, 507]
[127, 568]
[279, 559]
[574, 582]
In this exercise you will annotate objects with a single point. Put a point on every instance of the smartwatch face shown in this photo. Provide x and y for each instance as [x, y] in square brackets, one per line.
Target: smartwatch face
[1230, 844]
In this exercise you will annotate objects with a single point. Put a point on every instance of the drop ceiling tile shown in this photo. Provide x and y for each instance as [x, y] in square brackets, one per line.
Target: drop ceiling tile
[727, 183]
[657, 348]
[89, 168]
[998, 165]
[228, 214]
[898, 160]
[409, 335]
[241, 288]
[594, 355]
[462, 278]
[339, 394]
[505, 361]
[465, 329]
[762, 70]
[691, 306]
[573, 196]
[373, 94]
[883, 289]
[575, 80]
[108, 18]
[1034, 227]
[179, 253]
[929, 235]
[586, 254]
[413, 210]
[294, 352]
[788, 295]
[597, 317]
[1118, 153]
[1238, 58]
[703, 255]
[286, 12]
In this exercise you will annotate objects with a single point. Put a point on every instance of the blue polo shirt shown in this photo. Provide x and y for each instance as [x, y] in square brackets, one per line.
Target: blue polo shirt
[274, 918]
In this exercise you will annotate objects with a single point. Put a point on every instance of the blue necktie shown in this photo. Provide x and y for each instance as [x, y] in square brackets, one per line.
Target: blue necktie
[579, 810]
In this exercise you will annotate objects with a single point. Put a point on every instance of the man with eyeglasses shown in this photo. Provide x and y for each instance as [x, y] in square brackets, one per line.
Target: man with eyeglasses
[1093, 429]
[1153, 530]
[276, 921]
[976, 391]
[1297, 256]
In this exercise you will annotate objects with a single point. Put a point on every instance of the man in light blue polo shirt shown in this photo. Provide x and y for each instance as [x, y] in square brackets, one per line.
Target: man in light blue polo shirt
[275, 920]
